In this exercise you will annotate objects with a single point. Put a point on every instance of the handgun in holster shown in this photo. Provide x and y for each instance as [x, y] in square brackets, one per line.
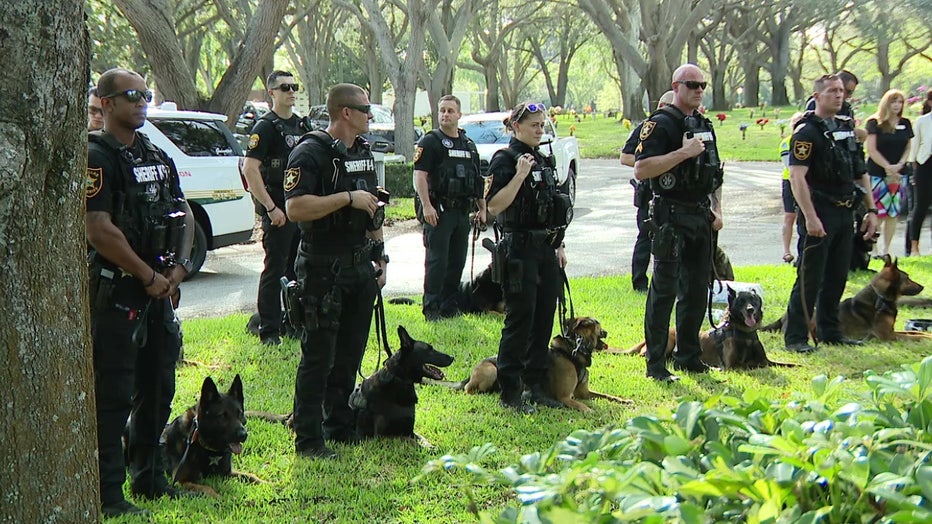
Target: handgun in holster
[294, 309]
[498, 259]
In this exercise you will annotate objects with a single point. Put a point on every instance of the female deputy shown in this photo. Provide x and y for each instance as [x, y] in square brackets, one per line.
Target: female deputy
[533, 214]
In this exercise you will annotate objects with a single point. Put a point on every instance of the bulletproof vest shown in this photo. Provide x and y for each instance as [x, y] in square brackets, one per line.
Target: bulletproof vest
[145, 209]
[352, 169]
[835, 155]
[458, 177]
[539, 203]
[696, 177]
[273, 168]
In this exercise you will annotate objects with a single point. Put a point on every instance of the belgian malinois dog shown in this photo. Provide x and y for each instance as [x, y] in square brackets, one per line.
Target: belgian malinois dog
[735, 344]
[568, 371]
[202, 441]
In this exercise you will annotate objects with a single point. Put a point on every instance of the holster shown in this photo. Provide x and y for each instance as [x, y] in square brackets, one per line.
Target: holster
[294, 308]
[498, 259]
[665, 243]
[100, 287]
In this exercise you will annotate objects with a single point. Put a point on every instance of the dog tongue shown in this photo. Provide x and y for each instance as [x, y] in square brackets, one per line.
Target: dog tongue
[749, 320]
[236, 447]
[433, 372]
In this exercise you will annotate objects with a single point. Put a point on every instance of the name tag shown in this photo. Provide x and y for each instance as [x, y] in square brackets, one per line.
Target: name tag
[842, 135]
[705, 136]
[456, 153]
[901, 126]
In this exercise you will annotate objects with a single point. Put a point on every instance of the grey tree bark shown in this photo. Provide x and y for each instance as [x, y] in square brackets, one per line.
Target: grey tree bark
[309, 39]
[48, 432]
[573, 31]
[447, 31]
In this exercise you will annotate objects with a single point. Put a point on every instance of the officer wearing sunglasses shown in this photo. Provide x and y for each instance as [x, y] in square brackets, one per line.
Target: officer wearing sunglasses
[532, 213]
[140, 230]
[272, 138]
[677, 153]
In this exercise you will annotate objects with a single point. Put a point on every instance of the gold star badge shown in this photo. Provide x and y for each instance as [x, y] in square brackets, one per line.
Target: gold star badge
[95, 181]
[802, 150]
[292, 176]
[647, 129]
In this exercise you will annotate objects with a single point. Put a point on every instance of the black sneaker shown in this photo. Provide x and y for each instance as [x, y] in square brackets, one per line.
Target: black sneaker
[843, 342]
[121, 508]
[664, 376]
[518, 405]
[536, 395]
[271, 341]
[165, 491]
[800, 347]
[317, 452]
[696, 366]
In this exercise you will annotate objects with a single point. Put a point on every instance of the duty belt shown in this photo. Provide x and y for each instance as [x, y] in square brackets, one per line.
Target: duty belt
[847, 202]
[357, 257]
[529, 236]
[683, 206]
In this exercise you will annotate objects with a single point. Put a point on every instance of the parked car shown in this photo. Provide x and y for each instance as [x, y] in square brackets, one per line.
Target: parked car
[381, 135]
[488, 131]
[208, 160]
[252, 111]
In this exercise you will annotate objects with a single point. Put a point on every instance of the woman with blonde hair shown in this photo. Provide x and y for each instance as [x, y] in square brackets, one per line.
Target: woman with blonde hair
[888, 136]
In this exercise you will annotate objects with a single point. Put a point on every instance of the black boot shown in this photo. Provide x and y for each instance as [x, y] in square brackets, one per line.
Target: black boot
[536, 394]
[512, 399]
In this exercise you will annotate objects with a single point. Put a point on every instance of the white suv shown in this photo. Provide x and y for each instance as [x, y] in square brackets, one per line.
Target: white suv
[208, 161]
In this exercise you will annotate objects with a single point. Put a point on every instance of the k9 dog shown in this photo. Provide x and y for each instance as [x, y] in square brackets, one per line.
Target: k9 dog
[385, 402]
[735, 344]
[568, 367]
[203, 440]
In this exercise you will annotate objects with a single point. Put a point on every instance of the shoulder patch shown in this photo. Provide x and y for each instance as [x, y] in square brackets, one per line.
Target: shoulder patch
[647, 129]
[292, 177]
[417, 152]
[802, 150]
[95, 181]
[253, 140]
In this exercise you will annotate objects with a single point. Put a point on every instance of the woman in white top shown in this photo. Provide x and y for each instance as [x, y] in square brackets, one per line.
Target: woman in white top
[919, 154]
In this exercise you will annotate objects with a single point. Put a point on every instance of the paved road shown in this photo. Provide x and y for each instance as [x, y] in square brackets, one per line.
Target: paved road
[599, 241]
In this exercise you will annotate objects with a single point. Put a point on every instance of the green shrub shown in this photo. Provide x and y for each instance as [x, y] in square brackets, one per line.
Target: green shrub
[398, 179]
[812, 459]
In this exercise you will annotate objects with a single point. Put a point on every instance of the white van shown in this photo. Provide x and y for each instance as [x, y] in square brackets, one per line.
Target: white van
[208, 161]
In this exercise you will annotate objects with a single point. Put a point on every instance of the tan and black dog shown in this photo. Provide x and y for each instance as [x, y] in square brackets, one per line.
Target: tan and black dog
[202, 441]
[733, 345]
[568, 369]
[871, 312]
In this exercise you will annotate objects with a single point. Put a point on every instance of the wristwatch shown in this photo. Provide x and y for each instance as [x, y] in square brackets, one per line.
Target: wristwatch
[872, 211]
[187, 264]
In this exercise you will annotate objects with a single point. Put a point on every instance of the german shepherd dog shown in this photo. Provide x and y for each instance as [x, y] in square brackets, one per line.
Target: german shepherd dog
[733, 345]
[203, 440]
[476, 296]
[384, 403]
[568, 366]
[871, 312]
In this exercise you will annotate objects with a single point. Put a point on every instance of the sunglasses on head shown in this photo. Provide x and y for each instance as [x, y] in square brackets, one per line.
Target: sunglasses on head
[693, 84]
[529, 108]
[362, 108]
[288, 87]
[133, 95]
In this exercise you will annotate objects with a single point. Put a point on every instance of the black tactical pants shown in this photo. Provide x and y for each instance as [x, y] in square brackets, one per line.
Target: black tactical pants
[640, 259]
[133, 381]
[280, 245]
[445, 256]
[680, 275]
[822, 272]
[529, 310]
[332, 351]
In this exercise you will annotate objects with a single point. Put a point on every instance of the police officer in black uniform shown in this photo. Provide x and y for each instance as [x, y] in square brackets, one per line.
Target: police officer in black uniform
[448, 185]
[824, 167]
[677, 153]
[640, 258]
[533, 214]
[331, 192]
[272, 138]
[140, 231]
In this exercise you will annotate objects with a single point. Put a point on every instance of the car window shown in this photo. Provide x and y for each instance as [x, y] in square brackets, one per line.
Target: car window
[382, 115]
[548, 127]
[199, 137]
[486, 132]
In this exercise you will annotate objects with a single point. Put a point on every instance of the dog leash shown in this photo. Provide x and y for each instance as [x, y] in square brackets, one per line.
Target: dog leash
[381, 333]
[565, 296]
[472, 261]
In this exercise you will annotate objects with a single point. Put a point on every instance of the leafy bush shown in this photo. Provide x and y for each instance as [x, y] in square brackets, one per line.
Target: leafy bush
[398, 179]
[749, 459]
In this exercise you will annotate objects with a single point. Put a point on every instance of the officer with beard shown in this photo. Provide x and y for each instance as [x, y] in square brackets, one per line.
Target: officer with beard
[272, 138]
[677, 153]
[330, 189]
[141, 231]
[448, 184]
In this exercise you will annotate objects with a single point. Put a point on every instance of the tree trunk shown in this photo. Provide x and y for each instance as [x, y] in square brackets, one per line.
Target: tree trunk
[632, 91]
[780, 62]
[48, 433]
[491, 89]
[751, 82]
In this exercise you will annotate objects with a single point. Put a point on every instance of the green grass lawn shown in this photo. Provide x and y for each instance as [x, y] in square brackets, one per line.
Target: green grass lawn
[372, 482]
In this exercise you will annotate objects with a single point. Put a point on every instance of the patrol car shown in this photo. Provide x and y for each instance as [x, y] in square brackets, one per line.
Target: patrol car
[208, 159]
[488, 131]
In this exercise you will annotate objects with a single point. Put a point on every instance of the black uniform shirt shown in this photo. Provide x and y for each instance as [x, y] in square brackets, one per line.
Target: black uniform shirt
[890, 145]
[271, 146]
[433, 153]
[663, 133]
[810, 147]
[503, 168]
[631, 144]
[104, 175]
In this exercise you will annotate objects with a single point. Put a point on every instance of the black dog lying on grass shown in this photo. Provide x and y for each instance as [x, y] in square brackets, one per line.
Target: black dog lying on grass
[476, 296]
[384, 403]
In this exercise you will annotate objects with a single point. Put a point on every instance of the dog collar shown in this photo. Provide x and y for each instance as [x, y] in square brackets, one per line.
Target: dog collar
[193, 439]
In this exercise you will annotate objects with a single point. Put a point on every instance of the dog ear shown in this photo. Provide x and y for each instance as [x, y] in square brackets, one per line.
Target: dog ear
[732, 295]
[404, 338]
[236, 389]
[887, 261]
[209, 392]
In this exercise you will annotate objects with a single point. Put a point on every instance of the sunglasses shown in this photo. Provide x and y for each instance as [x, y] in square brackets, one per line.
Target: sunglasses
[284, 88]
[692, 84]
[529, 108]
[362, 108]
[133, 95]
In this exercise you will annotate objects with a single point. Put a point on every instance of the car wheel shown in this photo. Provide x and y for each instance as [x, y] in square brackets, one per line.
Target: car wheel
[569, 187]
[198, 250]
